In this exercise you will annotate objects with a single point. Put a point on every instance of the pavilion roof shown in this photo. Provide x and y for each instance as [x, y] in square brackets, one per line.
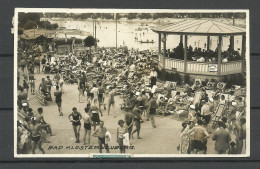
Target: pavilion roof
[200, 27]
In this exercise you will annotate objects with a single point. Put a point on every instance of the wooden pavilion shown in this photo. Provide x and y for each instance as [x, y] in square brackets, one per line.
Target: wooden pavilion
[201, 28]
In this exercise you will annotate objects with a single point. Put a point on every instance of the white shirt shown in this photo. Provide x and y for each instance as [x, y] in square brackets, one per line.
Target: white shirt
[153, 74]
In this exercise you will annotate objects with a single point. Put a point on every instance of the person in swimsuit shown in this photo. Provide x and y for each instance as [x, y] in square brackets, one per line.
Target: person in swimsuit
[129, 119]
[40, 120]
[36, 135]
[32, 83]
[111, 100]
[94, 111]
[58, 99]
[87, 125]
[76, 117]
[100, 133]
[137, 118]
[121, 130]
[101, 99]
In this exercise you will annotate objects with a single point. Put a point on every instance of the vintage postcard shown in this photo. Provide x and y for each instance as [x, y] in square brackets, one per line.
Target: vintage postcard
[125, 83]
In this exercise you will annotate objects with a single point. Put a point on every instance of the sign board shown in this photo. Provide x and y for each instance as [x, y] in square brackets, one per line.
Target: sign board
[213, 68]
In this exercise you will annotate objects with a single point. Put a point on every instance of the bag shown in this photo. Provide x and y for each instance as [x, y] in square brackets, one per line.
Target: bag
[108, 137]
[126, 141]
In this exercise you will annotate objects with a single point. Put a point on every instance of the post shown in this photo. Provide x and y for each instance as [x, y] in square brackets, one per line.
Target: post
[116, 30]
[208, 43]
[219, 54]
[231, 43]
[243, 53]
[181, 38]
[185, 53]
[96, 35]
[160, 42]
[93, 25]
[164, 49]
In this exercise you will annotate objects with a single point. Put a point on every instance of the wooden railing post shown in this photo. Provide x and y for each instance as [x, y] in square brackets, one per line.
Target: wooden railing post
[243, 53]
[219, 54]
[185, 53]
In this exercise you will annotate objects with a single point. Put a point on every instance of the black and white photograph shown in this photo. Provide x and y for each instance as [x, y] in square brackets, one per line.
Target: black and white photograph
[131, 83]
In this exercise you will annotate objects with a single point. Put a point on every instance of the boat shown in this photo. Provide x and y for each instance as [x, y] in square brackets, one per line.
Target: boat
[141, 41]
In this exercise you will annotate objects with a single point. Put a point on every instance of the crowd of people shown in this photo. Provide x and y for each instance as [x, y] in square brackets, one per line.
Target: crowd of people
[131, 74]
[202, 55]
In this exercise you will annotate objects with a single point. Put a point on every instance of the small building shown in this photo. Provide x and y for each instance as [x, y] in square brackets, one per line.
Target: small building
[215, 69]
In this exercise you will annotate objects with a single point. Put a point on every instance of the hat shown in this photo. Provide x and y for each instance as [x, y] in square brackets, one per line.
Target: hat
[234, 103]
[192, 106]
[211, 99]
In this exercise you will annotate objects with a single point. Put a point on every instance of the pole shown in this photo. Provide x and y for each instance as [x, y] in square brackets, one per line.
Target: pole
[208, 43]
[116, 30]
[160, 43]
[93, 25]
[243, 52]
[45, 24]
[185, 53]
[164, 50]
[96, 35]
[219, 54]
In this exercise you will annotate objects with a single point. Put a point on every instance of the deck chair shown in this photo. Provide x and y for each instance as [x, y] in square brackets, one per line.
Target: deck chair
[218, 114]
[41, 98]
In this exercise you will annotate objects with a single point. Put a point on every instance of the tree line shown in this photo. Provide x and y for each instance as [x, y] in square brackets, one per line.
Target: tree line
[32, 20]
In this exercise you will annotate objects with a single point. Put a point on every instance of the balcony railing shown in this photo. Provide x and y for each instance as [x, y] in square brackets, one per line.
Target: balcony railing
[204, 68]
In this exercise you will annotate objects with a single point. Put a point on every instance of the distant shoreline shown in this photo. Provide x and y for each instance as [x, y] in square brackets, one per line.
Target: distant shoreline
[238, 22]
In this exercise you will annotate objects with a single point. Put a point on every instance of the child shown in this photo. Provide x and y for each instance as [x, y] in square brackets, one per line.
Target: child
[121, 130]
[232, 148]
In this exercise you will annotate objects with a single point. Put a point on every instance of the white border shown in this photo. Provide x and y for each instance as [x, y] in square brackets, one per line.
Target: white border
[95, 10]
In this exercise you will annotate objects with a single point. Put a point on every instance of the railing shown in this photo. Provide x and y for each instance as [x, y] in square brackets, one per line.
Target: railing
[203, 68]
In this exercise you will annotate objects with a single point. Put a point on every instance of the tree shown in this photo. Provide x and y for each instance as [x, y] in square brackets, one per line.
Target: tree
[29, 25]
[90, 41]
[23, 18]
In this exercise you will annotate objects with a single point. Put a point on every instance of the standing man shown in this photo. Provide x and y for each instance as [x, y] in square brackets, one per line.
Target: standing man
[100, 133]
[48, 84]
[57, 78]
[43, 63]
[153, 77]
[58, 100]
[95, 92]
[137, 117]
[152, 109]
[129, 120]
[87, 125]
[37, 63]
[222, 138]
[200, 135]
[240, 132]
[36, 135]
[76, 124]
[111, 100]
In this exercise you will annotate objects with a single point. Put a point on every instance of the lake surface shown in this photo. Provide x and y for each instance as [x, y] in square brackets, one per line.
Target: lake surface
[127, 32]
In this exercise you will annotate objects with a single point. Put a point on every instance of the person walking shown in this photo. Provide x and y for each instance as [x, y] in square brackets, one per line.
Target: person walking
[76, 124]
[58, 99]
[152, 109]
[222, 138]
[87, 125]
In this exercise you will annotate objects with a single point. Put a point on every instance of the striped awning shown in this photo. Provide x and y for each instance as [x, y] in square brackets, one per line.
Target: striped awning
[200, 27]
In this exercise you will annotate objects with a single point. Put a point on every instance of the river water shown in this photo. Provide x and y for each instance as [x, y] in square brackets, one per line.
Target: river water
[129, 35]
